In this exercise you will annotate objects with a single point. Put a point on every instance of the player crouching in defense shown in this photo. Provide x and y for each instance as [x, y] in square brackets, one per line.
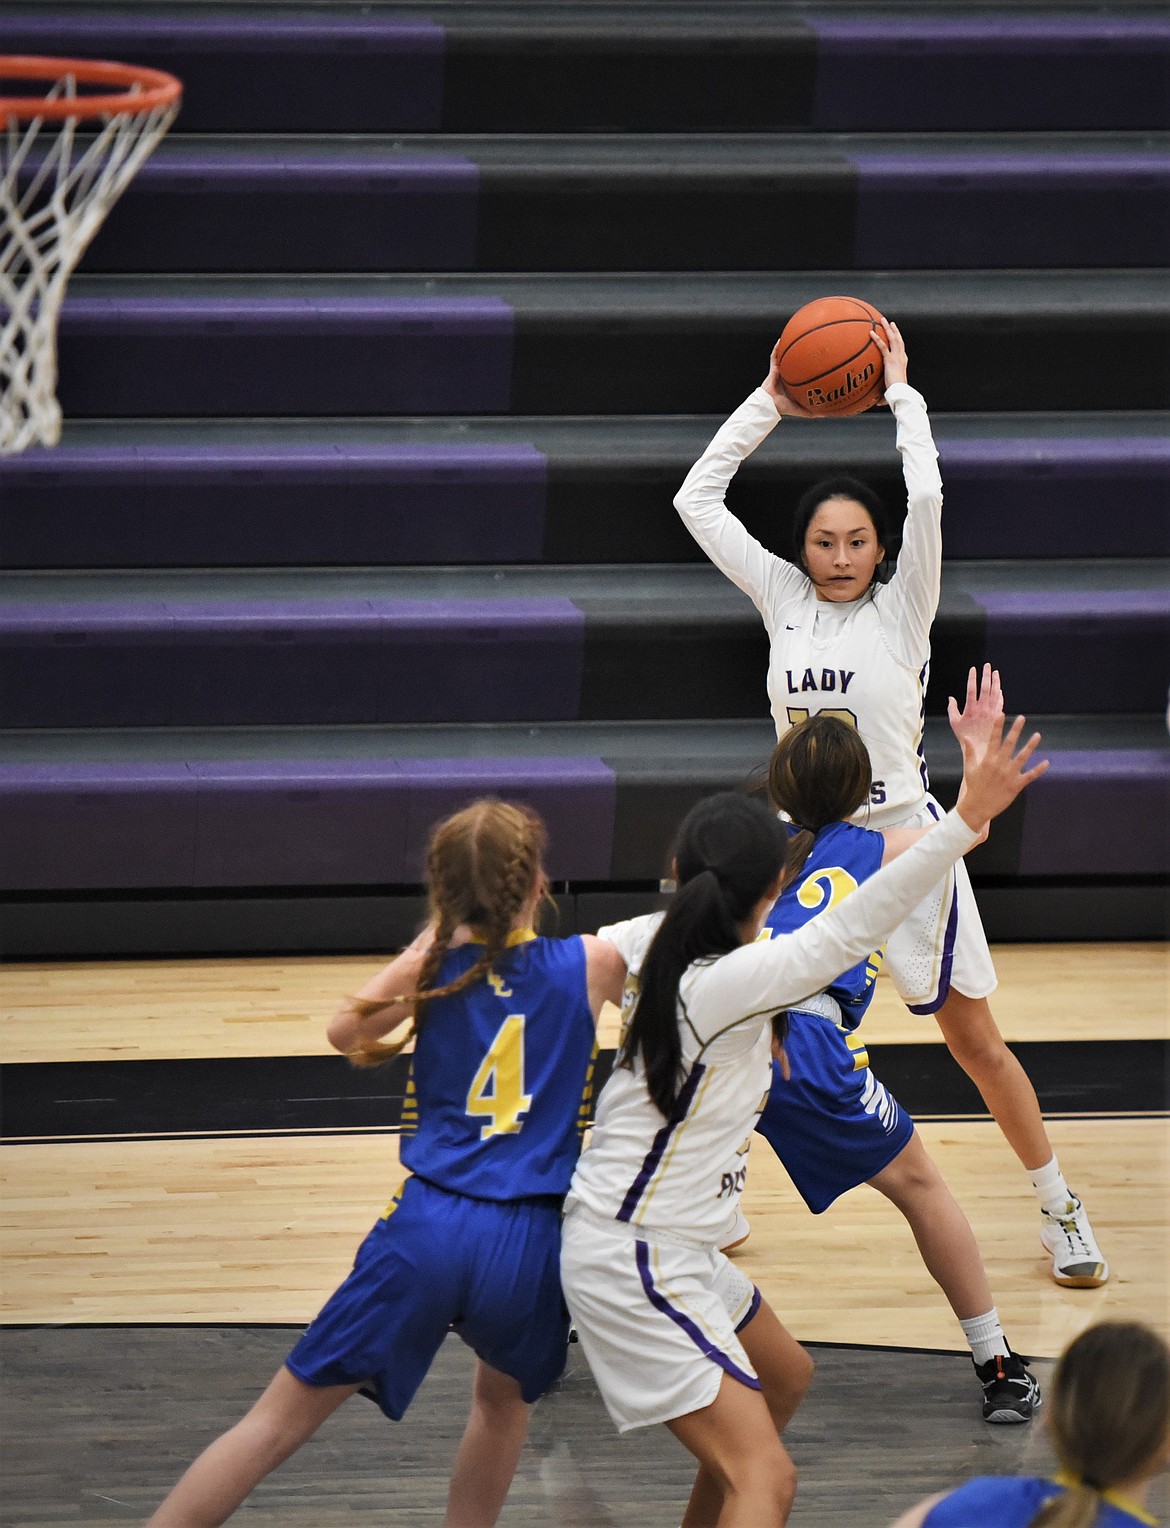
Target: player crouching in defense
[505, 1026]
[830, 1121]
[667, 1334]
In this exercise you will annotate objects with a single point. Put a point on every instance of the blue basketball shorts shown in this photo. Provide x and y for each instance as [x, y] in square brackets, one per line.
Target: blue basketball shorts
[833, 1125]
[436, 1262]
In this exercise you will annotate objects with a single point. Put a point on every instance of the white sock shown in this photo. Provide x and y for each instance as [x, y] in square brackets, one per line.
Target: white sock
[1052, 1191]
[985, 1336]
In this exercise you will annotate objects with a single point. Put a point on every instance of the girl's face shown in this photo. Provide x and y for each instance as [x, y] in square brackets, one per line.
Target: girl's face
[841, 550]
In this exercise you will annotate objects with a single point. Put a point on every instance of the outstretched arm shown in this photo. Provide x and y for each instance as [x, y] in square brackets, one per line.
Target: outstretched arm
[701, 499]
[912, 594]
[980, 719]
[757, 979]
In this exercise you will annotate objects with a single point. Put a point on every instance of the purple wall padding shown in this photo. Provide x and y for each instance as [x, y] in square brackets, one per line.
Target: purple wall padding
[1002, 210]
[1098, 813]
[293, 503]
[1040, 497]
[350, 822]
[320, 66]
[67, 826]
[281, 662]
[179, 355]
[1100, 650]
[993, 73]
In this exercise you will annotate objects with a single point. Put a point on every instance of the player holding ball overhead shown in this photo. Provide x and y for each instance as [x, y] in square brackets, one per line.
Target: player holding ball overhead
[851, 637]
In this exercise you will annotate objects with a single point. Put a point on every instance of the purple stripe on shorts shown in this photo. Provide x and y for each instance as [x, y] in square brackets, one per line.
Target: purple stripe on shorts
[650, 1166]
[701, 1341]
[1099, 813]
[948, 959]
[757, 1301]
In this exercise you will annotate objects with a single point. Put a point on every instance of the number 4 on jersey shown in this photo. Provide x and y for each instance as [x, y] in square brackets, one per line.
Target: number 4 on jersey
[497, 1090]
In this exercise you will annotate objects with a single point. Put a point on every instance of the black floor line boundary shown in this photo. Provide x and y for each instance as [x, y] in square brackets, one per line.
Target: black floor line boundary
[299, 1326]
[308, 1133]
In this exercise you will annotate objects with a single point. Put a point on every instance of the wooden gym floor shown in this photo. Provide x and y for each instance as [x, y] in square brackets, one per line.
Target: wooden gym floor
[185, 1179]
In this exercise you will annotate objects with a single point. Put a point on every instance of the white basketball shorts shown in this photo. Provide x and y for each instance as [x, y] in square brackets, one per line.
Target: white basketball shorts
[941, 945]
[657, 1320]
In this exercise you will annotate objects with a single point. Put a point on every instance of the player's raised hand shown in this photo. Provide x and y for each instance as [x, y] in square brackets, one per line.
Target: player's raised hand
[888, 339]
[982, 710]
[775, 388]
[992, 781]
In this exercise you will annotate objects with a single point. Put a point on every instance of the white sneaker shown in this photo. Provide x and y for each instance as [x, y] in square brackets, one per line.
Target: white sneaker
[1077, 1262]
[736, 1231]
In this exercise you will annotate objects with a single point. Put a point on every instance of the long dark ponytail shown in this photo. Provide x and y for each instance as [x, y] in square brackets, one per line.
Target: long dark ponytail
[729, 850]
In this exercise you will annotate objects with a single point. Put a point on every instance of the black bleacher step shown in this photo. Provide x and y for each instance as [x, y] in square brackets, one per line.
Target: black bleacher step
[469, 66]
[292, 647]
[227, 493]
[641, 202]
[321, 346]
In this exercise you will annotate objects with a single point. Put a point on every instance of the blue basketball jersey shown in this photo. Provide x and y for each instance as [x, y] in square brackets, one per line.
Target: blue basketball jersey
[1012, 1502]
[502, 1073]
[842, 856]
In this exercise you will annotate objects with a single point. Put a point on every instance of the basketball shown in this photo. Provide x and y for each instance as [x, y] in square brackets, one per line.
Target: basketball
[829, 362]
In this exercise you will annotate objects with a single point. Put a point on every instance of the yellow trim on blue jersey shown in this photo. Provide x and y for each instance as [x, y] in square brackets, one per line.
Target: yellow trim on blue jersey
[585, 1107]
[517, 936]
[1114, 1498]
[397, 1200]
[857, 1045]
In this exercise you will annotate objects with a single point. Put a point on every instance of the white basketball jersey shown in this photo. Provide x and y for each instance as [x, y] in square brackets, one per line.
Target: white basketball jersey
[683, 1175]
[866, 661]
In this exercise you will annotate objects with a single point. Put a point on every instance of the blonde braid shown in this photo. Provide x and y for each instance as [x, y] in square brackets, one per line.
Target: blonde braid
[468, 884]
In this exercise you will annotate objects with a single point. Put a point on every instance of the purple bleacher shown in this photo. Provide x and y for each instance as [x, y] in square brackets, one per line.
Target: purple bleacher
[1098, 813]
[318, 64]
[253, 353]
[289, 210]
[223, 505]
[322, 822]
[992, 73]
[1002, 210]
[366, 822]
[107, 665]
[267, 663]
[1079, 650]
[64, 826]
[1101, 496]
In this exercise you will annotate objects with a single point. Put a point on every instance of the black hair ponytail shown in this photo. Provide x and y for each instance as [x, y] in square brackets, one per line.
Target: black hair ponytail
[729, 850]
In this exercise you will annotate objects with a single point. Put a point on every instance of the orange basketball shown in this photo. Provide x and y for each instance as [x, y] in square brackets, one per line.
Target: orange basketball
[828, 360]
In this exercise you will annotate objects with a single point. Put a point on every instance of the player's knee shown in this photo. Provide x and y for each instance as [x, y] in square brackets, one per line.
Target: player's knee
[770, 1477]
[803, 1370]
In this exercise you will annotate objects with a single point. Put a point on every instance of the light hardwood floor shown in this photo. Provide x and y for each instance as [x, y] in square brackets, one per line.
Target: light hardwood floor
[261, 1229]
[158, 1009]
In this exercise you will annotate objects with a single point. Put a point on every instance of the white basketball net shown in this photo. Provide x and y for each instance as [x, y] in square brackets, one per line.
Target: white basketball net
[57, 183]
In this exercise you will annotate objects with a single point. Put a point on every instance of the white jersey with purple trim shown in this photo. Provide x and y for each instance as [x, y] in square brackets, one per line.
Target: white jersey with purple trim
[867, 660]
[684, 1175]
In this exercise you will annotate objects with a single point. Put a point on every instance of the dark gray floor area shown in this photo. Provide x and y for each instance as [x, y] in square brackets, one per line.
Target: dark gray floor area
[97, 1422]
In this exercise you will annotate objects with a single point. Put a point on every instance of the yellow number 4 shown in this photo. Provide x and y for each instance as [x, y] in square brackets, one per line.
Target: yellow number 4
[497, 1090]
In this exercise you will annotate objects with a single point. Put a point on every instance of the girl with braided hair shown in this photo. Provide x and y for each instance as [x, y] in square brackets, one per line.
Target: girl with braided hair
[504, 1026]
[1109, 1421]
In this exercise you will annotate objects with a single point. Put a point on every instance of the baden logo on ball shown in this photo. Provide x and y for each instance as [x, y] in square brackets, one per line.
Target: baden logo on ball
[829, 363]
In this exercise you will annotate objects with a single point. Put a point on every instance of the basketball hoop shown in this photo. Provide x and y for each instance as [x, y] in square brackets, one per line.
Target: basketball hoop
[56, 185]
